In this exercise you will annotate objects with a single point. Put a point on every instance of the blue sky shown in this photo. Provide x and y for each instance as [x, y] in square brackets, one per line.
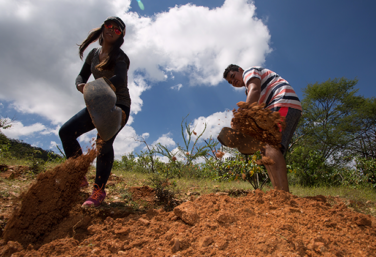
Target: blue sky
[178, 51]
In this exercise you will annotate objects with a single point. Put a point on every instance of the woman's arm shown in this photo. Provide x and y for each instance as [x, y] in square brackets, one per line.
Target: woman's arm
[85, 72]
[120, 74]
[83, 77]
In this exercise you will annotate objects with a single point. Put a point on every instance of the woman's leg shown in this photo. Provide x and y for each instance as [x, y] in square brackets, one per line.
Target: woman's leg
[105, 158]
[72, 129]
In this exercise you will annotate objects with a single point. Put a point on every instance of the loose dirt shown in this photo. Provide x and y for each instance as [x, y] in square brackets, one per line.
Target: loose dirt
[48, 201]
[275, 223]
[258, 122]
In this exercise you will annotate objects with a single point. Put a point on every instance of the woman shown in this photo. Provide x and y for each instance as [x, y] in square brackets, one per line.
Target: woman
[107, 61]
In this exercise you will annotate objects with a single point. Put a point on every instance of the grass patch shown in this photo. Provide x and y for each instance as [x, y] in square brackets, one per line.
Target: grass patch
[364, 194]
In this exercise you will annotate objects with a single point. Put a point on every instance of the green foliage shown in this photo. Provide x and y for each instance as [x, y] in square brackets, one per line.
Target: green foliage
[331, 116]
[310, 169]
[188, 154]
[17, 149]
[238, 167]
[191, 153]
[308, 165]
[164, 191]
[336, 125]
[367, 168]
[37, 165]
[5, 123]
[127, 162]
[4, 147]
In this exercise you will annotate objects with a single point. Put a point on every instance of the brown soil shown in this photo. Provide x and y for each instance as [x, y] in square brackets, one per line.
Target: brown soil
[275, 223]
[13, 171]
[48, 201]
[258, 122]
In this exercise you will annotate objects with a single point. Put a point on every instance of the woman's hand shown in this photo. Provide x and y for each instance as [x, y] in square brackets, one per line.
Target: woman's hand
[80, 87]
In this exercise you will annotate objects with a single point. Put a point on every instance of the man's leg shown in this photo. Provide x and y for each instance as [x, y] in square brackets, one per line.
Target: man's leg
[277, 172]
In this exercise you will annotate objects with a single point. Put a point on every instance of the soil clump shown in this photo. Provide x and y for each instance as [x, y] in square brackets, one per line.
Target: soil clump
[260, 123]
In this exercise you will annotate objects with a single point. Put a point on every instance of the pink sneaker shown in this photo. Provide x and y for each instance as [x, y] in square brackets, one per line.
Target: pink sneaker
[96, 198]
[84, 182]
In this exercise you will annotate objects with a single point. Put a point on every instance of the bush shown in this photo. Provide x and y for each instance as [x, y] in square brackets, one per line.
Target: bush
[367, 168]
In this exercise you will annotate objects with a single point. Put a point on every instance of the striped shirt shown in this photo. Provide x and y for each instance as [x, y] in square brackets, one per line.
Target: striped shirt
[275, 91]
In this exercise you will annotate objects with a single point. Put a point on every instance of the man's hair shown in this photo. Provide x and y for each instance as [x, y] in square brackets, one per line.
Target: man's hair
[231, 67]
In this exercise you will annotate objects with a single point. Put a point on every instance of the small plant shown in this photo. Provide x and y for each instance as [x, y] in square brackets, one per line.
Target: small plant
[37, 165]
[164, 191]
[191, 153]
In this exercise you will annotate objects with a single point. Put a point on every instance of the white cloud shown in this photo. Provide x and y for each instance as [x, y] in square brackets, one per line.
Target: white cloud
[18, 129]
[177, 87]
[145, 135]
[214, 124]
[165, 140]
[53, 145]
[195, 40]
[187, 39]
[126, 141]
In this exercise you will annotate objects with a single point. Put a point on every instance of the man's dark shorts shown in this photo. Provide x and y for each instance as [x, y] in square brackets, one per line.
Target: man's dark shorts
[292, 117]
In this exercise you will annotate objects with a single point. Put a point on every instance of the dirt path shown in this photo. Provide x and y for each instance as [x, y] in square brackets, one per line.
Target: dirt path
[259, 224]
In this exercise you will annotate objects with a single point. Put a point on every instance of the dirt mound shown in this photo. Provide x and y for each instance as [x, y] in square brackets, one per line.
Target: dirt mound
[259, 224]
[258, 122]
[13, 171]
[48, 200]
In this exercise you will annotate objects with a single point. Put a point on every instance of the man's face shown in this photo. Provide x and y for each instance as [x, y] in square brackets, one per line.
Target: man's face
[235, 78]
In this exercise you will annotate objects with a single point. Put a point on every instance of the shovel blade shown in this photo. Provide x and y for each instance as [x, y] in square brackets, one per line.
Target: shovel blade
[235, 139]
[100, 101]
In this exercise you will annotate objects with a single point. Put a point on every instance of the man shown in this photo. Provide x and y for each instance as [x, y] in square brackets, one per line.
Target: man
[265, 86]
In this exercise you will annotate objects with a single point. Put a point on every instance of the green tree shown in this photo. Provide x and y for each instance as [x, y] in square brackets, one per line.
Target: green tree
[365, 143]
[5, 123]
[336, 125]
[332, 117]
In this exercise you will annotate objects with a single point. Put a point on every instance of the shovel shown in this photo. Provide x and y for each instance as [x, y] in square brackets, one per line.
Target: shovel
[235, 139]
[100, 100]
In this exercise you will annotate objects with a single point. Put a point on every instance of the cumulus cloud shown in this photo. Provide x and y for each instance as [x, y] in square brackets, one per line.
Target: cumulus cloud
[40, 62]
[126, 141]
[177, 87]
[53, 145]
[214, 124]
[165, 140]
[18, 129]
[195, 40]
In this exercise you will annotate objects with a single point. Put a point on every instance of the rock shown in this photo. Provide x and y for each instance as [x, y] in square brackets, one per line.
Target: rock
[175, 245]
[225, 217]
[222, 244]
[144, 221]
[122, 231]
[206, 241]
[187, 212]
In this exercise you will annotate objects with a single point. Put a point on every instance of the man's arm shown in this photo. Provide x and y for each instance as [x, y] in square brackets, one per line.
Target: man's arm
[254, 90]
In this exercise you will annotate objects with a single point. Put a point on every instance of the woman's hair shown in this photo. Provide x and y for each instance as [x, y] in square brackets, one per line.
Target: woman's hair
[94, 35]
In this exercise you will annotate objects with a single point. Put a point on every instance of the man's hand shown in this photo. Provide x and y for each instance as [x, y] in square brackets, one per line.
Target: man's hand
[80, 87]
